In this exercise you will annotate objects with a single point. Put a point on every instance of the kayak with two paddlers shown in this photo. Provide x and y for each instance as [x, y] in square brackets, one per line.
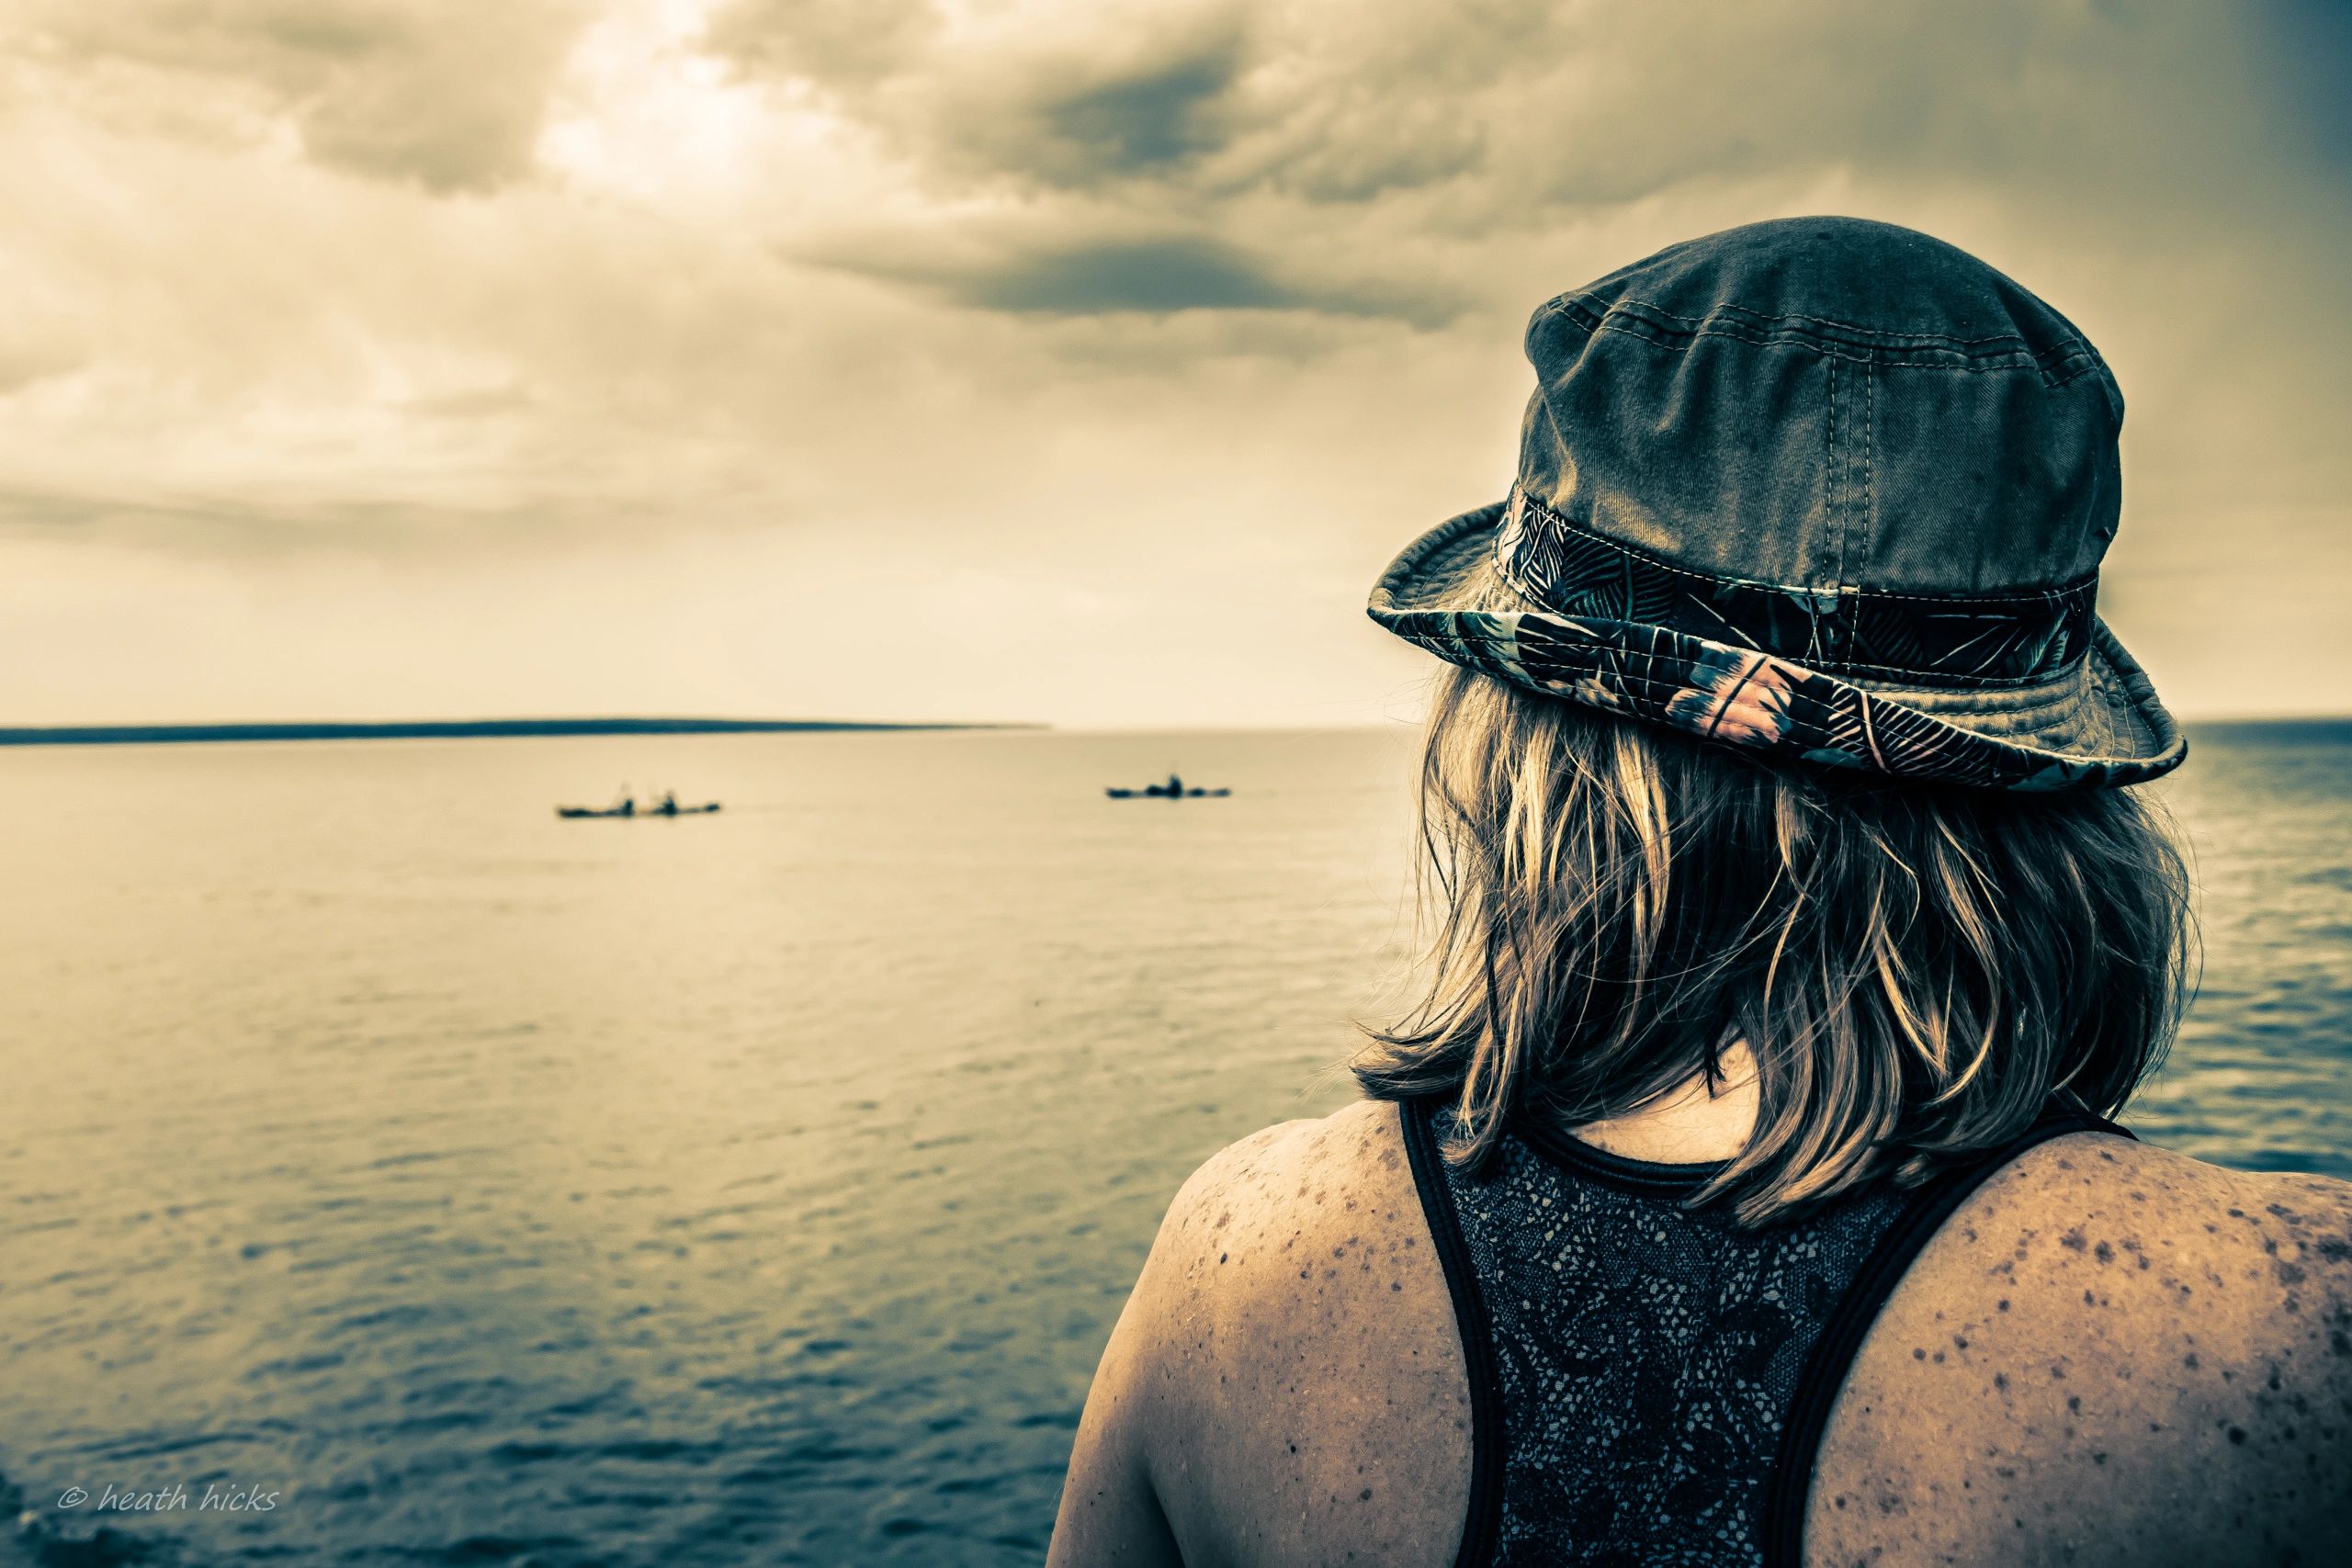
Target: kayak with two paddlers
[626, 806]
[1173, 790]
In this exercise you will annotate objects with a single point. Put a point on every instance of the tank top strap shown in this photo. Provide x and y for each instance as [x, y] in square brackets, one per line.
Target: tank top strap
[1850, 1322]
[1416, 1119]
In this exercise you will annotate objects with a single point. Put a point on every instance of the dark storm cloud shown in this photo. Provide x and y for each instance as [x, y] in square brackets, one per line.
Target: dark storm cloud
[1140, 102]
[1144, 111]
[1146, 95]
[1151, 119]
[1158, 275]
[1141, 275]
[447, 94]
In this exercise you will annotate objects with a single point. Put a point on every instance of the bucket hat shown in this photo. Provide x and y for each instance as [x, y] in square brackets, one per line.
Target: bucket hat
[1825, 489]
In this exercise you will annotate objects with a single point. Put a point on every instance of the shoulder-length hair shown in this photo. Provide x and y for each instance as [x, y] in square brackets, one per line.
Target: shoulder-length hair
[1919, 971]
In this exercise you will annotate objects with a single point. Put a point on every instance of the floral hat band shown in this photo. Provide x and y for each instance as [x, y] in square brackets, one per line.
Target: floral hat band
[1960, 637]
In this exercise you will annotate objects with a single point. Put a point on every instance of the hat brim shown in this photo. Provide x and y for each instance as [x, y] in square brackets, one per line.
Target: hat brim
[2098, 724]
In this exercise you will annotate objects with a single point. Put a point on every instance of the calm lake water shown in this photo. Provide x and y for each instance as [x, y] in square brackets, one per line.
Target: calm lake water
[758, 1188]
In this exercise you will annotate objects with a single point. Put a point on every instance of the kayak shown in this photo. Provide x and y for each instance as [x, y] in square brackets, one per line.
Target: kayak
[570, 812]
[1161, 792]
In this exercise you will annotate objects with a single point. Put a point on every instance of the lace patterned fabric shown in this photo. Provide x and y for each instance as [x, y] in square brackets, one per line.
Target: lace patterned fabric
[1647, 1355]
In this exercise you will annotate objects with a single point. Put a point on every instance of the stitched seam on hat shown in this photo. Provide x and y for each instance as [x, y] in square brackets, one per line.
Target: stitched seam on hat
[2075, 349]
[2057, 353]
[2090, 362]
[1870, 478]
[1887, 339]
[1858, 356]
[2029, 596]
[1835, 497]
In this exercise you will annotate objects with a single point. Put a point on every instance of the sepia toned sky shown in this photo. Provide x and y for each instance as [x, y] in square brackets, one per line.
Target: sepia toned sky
[1076, 362]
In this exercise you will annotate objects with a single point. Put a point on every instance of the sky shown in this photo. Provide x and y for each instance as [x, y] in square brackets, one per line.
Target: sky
[1083, 363]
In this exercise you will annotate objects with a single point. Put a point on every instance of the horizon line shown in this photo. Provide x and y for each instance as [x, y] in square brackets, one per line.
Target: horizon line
[457, 728]
[263, 731]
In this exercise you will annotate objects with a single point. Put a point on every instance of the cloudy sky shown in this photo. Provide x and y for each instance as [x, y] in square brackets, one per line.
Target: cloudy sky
[1083, 362]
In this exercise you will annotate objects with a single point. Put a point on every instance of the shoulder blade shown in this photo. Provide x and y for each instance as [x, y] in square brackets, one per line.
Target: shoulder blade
[2110, 1354]
[1324, 1409]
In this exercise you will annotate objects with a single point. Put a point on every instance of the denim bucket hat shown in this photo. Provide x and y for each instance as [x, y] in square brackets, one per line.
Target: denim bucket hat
[1827, 490]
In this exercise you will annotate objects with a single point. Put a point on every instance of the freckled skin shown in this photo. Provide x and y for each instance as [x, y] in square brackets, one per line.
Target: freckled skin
[2110, 1355]
[2158, 1369]
[1286, 1386]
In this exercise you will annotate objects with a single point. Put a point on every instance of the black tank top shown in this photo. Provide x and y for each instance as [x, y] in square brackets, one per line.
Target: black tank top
[1649, 1382]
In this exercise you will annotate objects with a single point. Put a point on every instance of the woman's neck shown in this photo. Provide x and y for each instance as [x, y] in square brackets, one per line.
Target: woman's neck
[1699, 1121]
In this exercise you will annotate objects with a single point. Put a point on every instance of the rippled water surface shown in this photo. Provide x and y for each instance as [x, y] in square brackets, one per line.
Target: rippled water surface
[757, 1188]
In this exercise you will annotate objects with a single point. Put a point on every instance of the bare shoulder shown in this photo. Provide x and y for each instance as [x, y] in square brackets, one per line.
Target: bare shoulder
[1342, 1171]
[2141, 1244]
[1288, 1237]
[2111, 1353]
[1318, 1393]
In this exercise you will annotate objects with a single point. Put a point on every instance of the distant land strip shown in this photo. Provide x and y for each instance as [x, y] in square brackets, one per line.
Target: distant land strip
[440, 730]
